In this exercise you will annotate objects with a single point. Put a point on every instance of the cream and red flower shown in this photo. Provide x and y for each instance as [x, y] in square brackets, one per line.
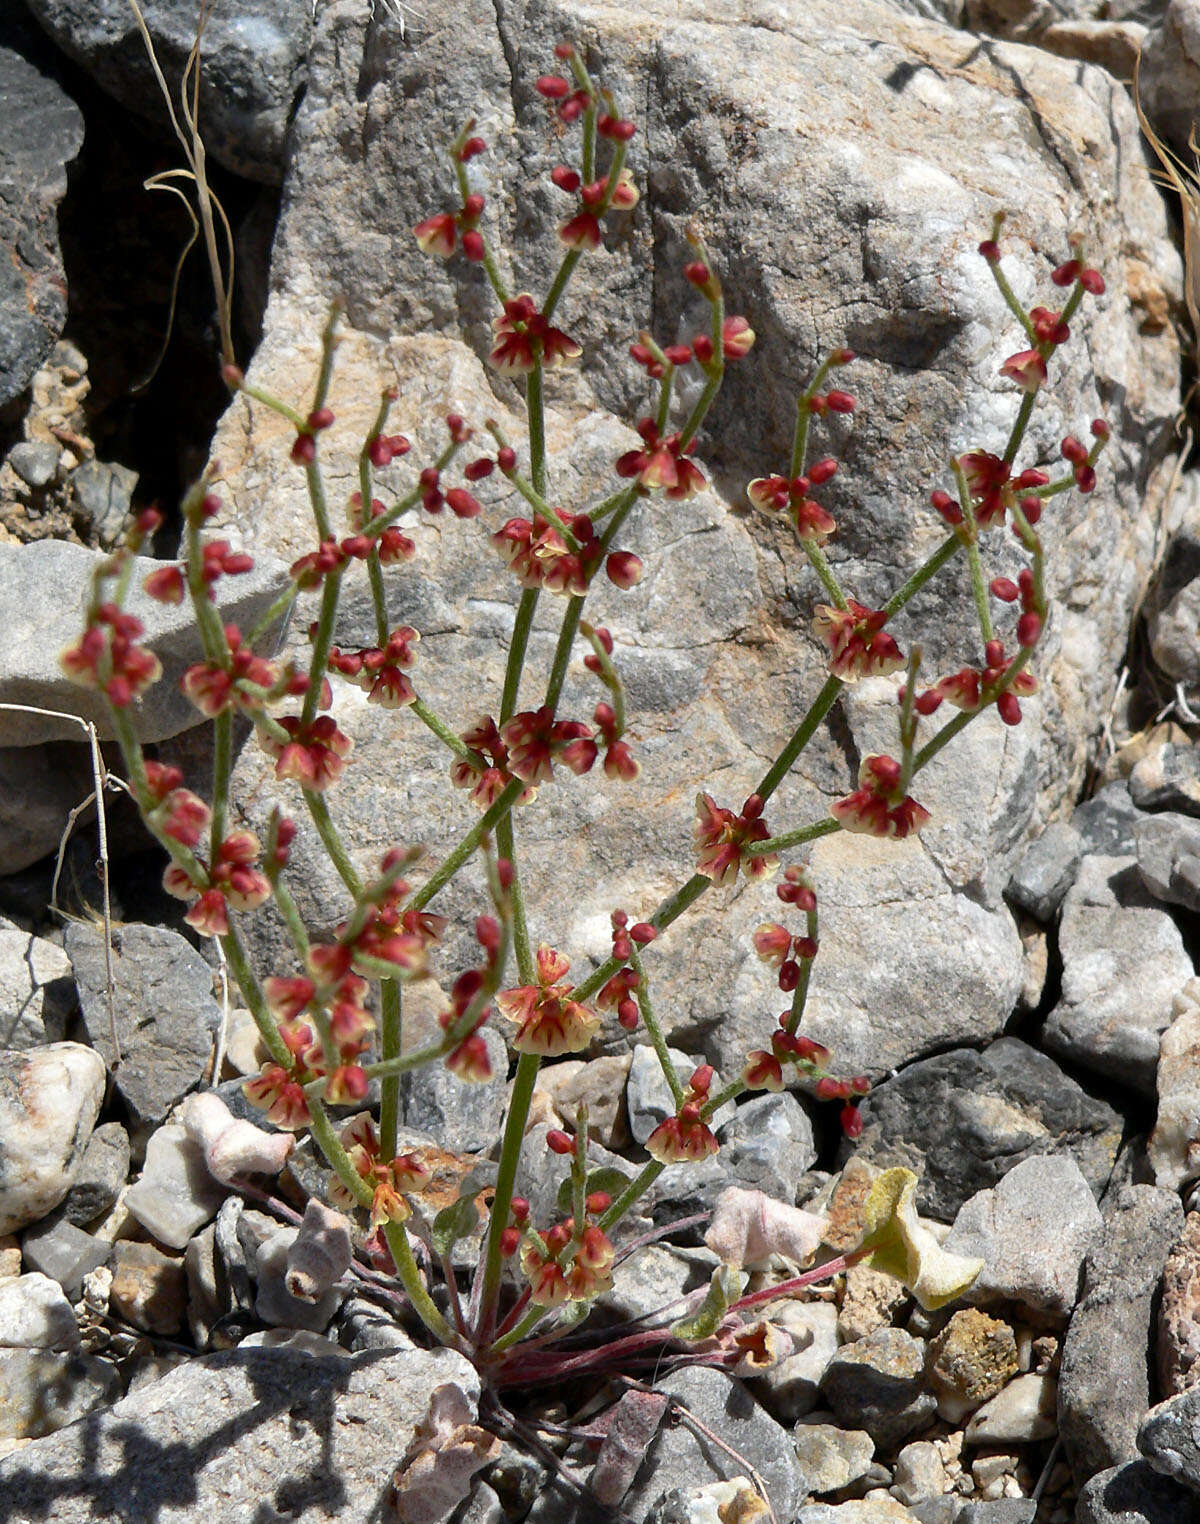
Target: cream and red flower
[536, 740]
[313, 756]
[682, 1139]
[1027, 369]
[389, 1179]
[524, 336]
[859, 645]
[381, 671]
[549, 1022]
[877, 807]
[662, 463]
[724, 840]
[776, 494]
[234, 879]
[107, 656]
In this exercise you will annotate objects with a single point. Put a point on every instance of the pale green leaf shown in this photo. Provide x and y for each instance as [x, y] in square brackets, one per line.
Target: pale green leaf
[898, 1244]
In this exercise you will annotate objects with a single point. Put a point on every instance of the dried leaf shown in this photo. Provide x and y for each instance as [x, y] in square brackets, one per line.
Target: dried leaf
[320, 1254]
[630, 1428]
[446, 1452]
[748, 1227]
[232, 1147]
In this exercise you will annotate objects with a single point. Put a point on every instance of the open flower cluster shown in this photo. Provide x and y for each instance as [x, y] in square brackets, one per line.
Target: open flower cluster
[332, 1021]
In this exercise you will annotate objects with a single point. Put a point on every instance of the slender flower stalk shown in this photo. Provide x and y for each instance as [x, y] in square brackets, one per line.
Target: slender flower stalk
[333, 1024]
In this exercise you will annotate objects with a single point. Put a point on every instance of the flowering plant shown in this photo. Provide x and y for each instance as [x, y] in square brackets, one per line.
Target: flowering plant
[333, 1028]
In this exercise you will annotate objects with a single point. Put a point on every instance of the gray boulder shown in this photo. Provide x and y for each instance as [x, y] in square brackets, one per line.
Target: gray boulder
[251, 75]
[914, 929]
[1123, 963]
[41, 131]
[233, 1435]
[38, 629]
[1168, 857]
[1169, 1437]
[1032, 1232]
[1135, 1494]
[1105, 1385]
[166, 1014]
[962, 1120]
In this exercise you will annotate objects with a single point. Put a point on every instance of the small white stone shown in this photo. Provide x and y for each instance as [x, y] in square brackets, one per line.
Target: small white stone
[49, 1101]
[1026, 1410]
[302, 1340]
[175, 1195]
[35, 1314]
[919, 1473]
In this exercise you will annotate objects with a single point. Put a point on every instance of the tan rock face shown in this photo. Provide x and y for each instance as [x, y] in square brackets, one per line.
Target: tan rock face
[972, 1358]
[866, 235]
[1179, 1313]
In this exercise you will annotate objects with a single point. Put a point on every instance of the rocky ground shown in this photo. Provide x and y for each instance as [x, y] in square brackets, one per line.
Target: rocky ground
[1021, 985]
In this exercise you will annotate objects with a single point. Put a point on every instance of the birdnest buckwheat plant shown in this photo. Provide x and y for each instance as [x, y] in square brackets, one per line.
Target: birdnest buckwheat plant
[332, 1024]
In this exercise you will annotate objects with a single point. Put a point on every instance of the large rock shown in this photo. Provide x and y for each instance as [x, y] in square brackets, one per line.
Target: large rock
[877, 222]
[39, 628]
[962, 1120]
[1104, 1385]
[34, 978]
[1174, 1145]
[49, 1101]
[1032, 1232]
[242, 1435]
[165, 1012]
[1123, 963]
[1134, 1494]
[251, 74]
[1179, 1314]
[1169, 1437]
[41, 131]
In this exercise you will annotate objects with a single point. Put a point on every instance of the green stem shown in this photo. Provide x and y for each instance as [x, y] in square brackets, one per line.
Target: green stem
[451, 864]
[536, 411]
[522, 625]
[803, 734]
[222, 770]
[277, 610]
[319, 662]
[293, 920]
[507, 848]
[637, 1187]
[235, 956]
[823, 570]
[390, 1039]
[562, 651]
[443, 732]
[332, 841]
[797, 838]
[922, 575]
[642, 995]
[506, 1179]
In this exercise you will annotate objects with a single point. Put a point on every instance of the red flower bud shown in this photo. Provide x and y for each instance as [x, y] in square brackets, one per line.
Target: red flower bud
[560, 1142]
[474, 247]
[553, 87]
[1029, 629]
[1008, 707]
[624, 569]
